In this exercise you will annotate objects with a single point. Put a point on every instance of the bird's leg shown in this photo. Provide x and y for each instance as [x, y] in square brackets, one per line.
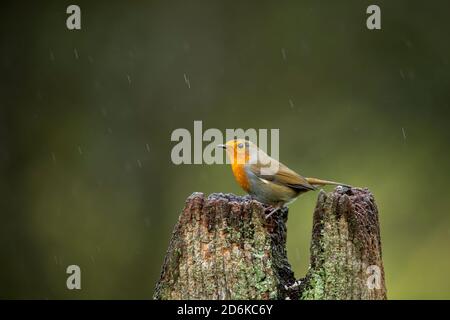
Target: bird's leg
[278, 207]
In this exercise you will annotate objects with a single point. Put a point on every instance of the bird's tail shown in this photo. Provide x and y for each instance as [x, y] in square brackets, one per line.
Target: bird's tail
[319, 182]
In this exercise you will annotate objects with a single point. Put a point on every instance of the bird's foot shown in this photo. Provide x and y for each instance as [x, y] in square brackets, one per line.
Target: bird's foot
[272, 212]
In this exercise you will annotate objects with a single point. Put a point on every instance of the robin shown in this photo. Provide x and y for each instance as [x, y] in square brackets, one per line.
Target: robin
[266, 179]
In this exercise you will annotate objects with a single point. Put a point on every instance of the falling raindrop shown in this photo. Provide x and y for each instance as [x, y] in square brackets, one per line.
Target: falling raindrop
[186, 80]
[75, 52]
[291, 103]
[283, 54]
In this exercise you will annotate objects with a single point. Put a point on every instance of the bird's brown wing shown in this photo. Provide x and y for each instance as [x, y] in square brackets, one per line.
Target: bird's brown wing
[283, 176]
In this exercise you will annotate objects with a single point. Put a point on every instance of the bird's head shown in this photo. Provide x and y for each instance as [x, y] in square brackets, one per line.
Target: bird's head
[239, 151]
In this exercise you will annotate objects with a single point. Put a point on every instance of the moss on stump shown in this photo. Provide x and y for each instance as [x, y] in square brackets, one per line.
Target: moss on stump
[222, 247]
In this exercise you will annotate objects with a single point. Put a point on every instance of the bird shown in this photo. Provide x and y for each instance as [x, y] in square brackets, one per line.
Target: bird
[266, 179]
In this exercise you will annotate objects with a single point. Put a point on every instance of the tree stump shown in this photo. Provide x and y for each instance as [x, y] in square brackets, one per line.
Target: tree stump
[345, 254]
[223, 247]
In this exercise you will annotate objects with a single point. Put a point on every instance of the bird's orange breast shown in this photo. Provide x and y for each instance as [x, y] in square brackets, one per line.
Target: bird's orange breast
[241, 176]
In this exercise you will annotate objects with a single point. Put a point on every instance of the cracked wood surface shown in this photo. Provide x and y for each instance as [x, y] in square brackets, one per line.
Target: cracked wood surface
[222, 247]
[345, 258]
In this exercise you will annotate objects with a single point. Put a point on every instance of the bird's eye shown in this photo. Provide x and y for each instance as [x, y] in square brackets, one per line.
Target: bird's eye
[240, 145]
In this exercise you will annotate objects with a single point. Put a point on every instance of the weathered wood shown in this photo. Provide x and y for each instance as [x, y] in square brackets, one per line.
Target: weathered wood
[222, 247]
[345, 258]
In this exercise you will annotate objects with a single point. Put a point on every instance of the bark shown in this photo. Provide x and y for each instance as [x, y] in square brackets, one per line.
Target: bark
[345, 255]
[222, 247]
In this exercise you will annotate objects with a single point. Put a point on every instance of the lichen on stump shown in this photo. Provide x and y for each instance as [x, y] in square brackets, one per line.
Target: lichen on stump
[345, 258]
[223, 248]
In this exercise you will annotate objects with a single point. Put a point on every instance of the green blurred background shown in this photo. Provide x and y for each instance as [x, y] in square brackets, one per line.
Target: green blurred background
[86, 118]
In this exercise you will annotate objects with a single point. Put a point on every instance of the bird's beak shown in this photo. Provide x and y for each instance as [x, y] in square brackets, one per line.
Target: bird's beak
[223, 146]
